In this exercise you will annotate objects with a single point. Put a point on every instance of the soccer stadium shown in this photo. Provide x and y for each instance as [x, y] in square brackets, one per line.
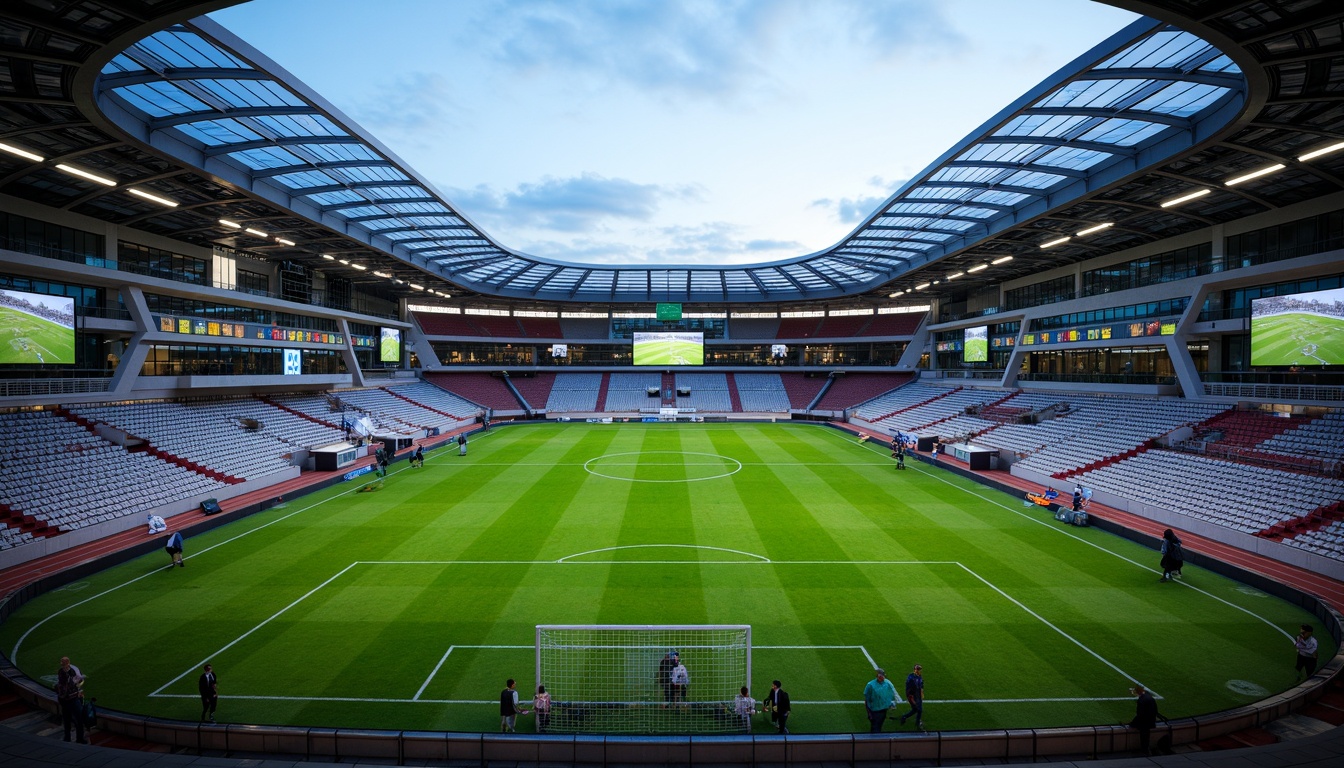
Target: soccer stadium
[1058, 428]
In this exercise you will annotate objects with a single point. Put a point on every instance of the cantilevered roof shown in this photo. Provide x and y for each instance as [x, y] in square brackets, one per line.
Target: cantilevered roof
[1145, 90]
[186, 127]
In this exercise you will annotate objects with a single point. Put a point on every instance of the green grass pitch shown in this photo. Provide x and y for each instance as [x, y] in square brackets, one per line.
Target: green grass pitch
[339, 608]
[977, 350]
[23, 337]
[669, 352]
[1297, 338]
[389, 349]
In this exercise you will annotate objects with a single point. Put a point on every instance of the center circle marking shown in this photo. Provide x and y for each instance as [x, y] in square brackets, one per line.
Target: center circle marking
[588, 466]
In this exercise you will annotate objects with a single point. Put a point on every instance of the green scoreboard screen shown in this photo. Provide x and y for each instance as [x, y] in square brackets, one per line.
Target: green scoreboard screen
[669, 311]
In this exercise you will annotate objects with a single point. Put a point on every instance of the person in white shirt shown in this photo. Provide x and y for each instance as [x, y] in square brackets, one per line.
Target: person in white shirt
[1306, 652]
[680, 679]
[156, 524]
[744, 707]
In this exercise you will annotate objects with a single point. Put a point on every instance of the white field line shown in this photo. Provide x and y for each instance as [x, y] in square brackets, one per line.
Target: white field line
[832, 702]
[240, 638]
[1112, 553]
[659, 546]
[1066, 635]
[449, 652]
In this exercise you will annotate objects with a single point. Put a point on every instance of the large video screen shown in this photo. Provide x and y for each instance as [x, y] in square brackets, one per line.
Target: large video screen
[389, 346]
[975, 344]
[1299, 329]
[36, 328]
[669, 348]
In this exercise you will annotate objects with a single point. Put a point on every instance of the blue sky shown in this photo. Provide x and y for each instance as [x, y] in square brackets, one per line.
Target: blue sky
[686, 132]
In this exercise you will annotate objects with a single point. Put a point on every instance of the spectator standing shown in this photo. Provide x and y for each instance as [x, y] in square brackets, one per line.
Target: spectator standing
[462, 444]
[509, 708]
[1173, 556]
[1306, 651]
[681, 679]
[541, 704]
[174, 548]
[778, 702]
[878, 697]
[208, 685]
[665, 667]
[1145, 716]
[70, 696]
[744, 707]
[914, 693]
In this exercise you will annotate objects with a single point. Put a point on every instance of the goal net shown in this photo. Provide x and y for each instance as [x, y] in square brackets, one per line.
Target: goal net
[643, 679]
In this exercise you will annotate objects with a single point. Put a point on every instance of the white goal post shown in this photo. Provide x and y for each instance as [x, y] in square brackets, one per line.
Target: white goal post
[643, 679]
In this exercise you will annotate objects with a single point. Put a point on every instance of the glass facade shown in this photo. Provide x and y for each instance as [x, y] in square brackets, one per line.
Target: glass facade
[1047, 292]
[52, 241]
[1164, 308]
[1303, 237]
[1150, 270]
[228, 360]
[153, 262]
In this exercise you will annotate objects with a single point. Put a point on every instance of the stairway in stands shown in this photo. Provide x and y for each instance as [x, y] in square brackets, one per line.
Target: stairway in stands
[734, 398]
[602, 393]
[669, 390]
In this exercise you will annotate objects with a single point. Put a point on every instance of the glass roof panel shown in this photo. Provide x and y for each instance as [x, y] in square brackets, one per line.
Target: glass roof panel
[265, 157]
[999, 197]
[334, 152]
[161, 99]
[299, 125]
[304, 179]
[370, 173]
[969, 173]
[418, 208]
[432, 221]
[1034, 179]
[975, 213]
[1221, 64]
[249, 93]
[940, 193]
[366, 210]
[336, 198]
[1041, 125]
[383, 193]
[1091, 93]
[1073, 158]
[1002, 153]
[1124, 133]
[181, 49]
[1182, 99]
[214, 133]
[123, 63]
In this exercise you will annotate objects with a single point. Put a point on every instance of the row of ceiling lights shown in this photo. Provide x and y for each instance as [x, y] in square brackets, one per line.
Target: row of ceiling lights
[1198, 193]
[80, 173]
[954, 276]
[1095, 228]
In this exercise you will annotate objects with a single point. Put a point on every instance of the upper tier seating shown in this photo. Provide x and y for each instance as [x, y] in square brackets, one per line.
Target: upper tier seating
[843, 327]
[535, 389]
[753, 328]
[505, 327]
[902, 324]
[1123, 424]
[709, 392]
[762, 393]
[440, 324]
[802, 389]
[541, 327]
[65, 476]
[208, 434]
[1319, 438]
[481, 388]
[854, 388]
[627, 392]
[574, 392]
[798, 327]
[1241, 496]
